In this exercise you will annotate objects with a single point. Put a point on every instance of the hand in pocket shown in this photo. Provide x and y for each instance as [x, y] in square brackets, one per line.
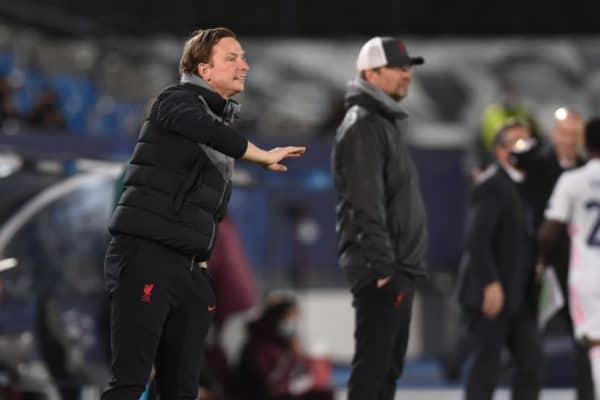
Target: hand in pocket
[383, 281]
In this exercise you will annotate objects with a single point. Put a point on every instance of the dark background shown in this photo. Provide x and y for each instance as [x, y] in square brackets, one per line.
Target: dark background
[310, 17]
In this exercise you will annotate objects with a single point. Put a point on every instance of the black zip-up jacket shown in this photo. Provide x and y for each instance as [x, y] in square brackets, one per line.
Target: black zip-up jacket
[178, 182]
[381, 223]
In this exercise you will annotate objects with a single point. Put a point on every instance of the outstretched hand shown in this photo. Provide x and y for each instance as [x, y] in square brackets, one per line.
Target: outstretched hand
[271, 159]
[278, 154]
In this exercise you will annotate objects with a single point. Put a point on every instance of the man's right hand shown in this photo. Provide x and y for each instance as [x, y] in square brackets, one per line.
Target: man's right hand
[280, 153]
[271, 159]
[493, 299]
[383, 281]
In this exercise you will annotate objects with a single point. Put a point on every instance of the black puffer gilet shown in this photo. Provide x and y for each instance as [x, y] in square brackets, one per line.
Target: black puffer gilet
[175, 191]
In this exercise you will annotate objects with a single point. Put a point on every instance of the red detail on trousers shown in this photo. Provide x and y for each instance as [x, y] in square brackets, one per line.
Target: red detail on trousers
[399, 299]
[147, 296]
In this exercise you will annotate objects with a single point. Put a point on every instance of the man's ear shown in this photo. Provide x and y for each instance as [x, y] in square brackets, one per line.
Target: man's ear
[204, 71]
[368, 75]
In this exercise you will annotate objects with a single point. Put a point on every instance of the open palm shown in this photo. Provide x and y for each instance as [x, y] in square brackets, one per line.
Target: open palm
[278, 154]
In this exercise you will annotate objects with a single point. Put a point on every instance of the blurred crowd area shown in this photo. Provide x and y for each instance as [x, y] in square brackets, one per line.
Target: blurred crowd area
[54, 207]
[100, 86]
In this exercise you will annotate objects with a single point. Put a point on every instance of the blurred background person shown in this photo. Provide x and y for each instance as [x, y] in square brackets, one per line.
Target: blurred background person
[497, 283]
[509, 106]
[8, 110]
[575, 202]
[273, 363]
[545, 162]
[543, 165]
[229, 259]
[45, 114]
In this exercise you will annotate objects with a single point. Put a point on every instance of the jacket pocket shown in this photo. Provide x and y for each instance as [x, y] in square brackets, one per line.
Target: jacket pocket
[121, 251]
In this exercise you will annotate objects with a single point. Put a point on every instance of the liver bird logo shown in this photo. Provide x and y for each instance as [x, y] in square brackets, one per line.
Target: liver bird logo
[147, 295]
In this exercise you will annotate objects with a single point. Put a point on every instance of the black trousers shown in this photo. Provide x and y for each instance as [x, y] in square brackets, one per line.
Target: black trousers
[519, 333]
[584, 385]
[161, 304]
[381, 336]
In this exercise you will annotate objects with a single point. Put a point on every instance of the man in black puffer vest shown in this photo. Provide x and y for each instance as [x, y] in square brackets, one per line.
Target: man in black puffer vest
[175, 192]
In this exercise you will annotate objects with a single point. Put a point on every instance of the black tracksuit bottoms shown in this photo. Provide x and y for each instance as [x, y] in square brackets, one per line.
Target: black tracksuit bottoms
[381, 336]
[161, 306]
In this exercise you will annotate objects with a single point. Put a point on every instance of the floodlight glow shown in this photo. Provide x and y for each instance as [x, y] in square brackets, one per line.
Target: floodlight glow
[8, 263]
[561, 114]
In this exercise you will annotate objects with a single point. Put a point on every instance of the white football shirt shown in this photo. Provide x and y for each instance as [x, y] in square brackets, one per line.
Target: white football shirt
[575, 201]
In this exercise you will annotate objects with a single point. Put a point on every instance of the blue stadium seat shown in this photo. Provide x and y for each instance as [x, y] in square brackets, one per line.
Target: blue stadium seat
[6, 63]
[25, 96]
[77, 96]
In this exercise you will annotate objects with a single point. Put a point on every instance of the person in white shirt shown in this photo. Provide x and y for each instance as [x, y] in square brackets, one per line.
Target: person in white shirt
[575, 201]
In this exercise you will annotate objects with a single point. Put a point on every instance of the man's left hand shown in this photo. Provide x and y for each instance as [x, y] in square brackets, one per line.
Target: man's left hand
[383, 281]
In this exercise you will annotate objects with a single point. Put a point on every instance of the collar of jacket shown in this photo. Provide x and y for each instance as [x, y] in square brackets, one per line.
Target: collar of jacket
[507, 172]
[363, 93]
[227, 109]
[514, 174]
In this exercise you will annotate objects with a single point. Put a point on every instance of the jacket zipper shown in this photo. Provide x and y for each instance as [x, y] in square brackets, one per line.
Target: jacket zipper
[214, 230]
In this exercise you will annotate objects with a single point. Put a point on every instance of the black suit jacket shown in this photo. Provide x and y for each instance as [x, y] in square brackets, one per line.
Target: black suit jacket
[498, 244]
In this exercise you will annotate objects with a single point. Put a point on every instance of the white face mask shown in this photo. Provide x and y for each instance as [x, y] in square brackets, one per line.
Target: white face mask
[288, 328]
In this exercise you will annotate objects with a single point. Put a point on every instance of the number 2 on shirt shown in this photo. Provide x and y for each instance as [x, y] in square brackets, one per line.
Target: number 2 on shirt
[593, 240]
